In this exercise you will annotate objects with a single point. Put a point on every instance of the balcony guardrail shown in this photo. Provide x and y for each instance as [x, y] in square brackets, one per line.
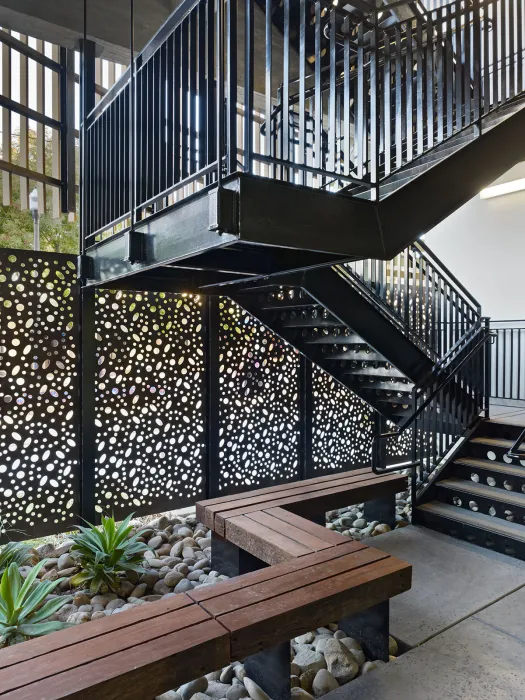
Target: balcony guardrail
[304, 93]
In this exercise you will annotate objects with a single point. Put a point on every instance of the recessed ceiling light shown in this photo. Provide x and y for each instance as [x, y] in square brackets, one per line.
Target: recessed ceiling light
[504, 188]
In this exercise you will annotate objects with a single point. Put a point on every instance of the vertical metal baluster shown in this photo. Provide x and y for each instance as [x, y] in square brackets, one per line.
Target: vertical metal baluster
[503, 48]
[346, 99]
[419, 87]
[486, 56]
[201, 87]
[512, 57]
[407, 288]
[399, 126]
[459, 65]
[361, 135]
[518, 392]
[421, 298]
[193, 92]
[428, 302]
[468, 73]
[317, 89]
[184, 99]
[302, 97]
[387, 104]
[286, 90]
[233, 138]
[177, 120]
[439, 72]
[374, 107]
[476, 65]
[409, 83]
[519, 45]
[211, 108]
[331, 95]
[430, 80]
[248, 85]
[495, 54]
[169, 119]
[511, 365]
[449, 70]
[268, 108]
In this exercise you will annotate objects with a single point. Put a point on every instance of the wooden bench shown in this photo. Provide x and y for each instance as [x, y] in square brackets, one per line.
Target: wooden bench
[295, 576]
[158, 646]
[277, 523]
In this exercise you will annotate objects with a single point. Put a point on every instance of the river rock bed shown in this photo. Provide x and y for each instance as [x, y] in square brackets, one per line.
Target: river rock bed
[350, 521]
[320, 661]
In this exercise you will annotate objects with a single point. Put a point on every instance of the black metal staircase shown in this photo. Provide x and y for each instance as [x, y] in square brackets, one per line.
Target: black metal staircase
[250, 139]
[479, 495]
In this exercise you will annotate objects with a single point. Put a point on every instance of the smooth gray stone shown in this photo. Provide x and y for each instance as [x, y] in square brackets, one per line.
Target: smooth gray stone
[451, 580]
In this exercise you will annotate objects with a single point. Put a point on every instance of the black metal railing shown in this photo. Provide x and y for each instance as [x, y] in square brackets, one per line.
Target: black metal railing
[434, 308]
[508, 363]
[321, 98]
[444, 406]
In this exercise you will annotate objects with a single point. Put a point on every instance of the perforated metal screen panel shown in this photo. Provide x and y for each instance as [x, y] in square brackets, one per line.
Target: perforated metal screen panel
[38, 392]
[259, 404]
[151, 401]
[342, 426]
[150, 410]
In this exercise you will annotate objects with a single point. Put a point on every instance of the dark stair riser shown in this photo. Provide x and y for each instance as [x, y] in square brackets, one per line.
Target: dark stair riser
[481, 451]
[488, 476]
[463, 500]
[472, 534]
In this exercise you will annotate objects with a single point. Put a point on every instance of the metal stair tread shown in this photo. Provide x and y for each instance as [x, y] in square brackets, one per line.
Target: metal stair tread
[493, 442]
[483, 491]
[484, 522]
[489, 465]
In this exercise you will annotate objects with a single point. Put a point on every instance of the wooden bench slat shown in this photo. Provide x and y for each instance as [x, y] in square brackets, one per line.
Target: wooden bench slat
[308, 539]
[34, 648]
[272, 489]
[270, 546]
[327, 499]
[293, 581]
[94, 649]
[329, 536]
[208, 592]
[265, 624]
[283, 493]
[139, 673]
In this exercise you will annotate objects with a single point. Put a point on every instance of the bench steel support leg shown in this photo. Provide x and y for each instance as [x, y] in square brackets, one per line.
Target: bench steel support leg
[230, 560]
[382, 509]
[270, 669]
[371, 628]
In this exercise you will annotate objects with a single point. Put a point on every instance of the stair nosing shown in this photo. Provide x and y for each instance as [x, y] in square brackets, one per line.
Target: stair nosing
[483, 522]
[483, 491]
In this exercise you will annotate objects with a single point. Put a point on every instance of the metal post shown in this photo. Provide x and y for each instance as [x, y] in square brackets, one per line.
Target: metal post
[212, 397]
[371, 627]
[305, 418]
[35, 213]
[87, 103]
[88, 371]
[488, 368]
[67, 131]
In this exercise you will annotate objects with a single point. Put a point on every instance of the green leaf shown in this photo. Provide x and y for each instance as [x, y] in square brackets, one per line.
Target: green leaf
[80, 578]
[49, 608]
[8, 590]
[30, 579]
[40, 629]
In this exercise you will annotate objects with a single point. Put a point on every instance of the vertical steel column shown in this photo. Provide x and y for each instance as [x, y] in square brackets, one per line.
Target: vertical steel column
[88, 370]
[305, 418]
[87, 103]
[371, 627]
[381, 509]
[212, 397]
[67, 118]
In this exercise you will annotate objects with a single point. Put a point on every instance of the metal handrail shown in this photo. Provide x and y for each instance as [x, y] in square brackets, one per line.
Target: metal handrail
[399, 430]
[513, 452]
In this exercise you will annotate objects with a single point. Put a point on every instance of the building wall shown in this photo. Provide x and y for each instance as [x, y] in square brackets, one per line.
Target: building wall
[483, 244]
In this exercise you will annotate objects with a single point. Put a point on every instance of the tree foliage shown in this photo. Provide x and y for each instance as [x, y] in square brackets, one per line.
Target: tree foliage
[16, 225]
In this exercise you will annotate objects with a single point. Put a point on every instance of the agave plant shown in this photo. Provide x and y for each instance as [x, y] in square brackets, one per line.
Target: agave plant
[104, 552]
[23, 612]
[14, 553]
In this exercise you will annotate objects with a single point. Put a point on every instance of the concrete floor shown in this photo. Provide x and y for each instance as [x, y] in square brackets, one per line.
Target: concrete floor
[464, 618]
[508, 414]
